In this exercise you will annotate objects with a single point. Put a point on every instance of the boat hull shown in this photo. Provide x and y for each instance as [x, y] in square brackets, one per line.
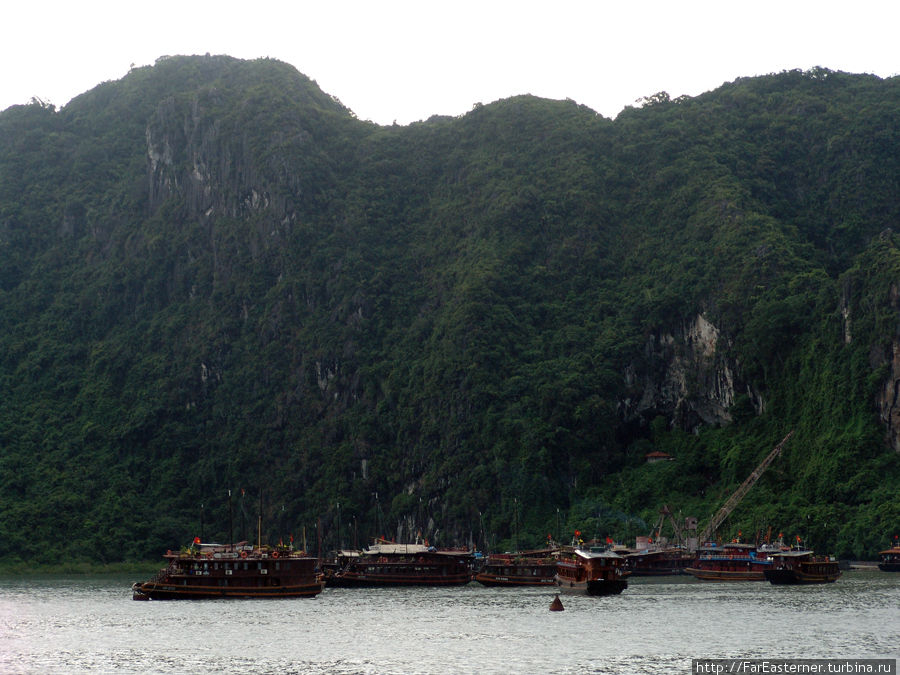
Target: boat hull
[726, 575]
[592, 587]
[488, 579]
[375, 580]
[657, 571]
[793, 577]
[889, 566]
[171, 591]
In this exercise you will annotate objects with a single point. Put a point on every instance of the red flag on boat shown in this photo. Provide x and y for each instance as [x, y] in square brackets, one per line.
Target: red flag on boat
[196, 540]
[577, 533]
[609, 540]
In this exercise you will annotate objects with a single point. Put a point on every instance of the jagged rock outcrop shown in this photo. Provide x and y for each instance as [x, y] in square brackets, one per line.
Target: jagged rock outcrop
[888, 400]
[189, 156]
[687, 377]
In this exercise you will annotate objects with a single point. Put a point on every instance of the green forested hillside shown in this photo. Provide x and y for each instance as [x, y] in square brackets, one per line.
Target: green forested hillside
[214, 277]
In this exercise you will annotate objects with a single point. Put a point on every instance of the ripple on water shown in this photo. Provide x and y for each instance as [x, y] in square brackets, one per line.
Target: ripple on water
[656, 626]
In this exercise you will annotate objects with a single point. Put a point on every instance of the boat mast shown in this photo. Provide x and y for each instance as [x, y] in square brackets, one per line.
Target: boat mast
[243, 531]
[558, 532]
[230, 521]
[340, 539]
[259, 523]
[516, 516]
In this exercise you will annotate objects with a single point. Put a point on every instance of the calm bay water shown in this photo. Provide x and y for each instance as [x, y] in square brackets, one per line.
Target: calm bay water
[90, 624]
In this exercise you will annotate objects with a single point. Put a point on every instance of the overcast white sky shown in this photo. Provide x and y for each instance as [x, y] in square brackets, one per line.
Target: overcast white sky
[407, 60]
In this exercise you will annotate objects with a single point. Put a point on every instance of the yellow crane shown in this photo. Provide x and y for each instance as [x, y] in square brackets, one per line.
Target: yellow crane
[739, 494]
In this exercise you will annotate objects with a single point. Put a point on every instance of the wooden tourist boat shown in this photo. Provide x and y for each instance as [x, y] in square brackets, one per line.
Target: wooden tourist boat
[802, 567]
[733, 561]
[890, 558]
[389, 564]
[594, 570]
[233, 571]
[659, 562]
[529, 568]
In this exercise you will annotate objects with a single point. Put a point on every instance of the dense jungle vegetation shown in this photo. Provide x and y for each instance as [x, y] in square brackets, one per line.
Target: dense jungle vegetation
[214, 278]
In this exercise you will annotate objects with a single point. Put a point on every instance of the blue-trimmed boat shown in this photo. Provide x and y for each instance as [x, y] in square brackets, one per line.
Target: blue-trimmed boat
[733, 561]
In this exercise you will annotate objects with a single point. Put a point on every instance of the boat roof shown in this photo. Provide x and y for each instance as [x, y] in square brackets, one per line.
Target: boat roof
[406, 549]
[730, 544]
[534, 553]
[397, 548]
[798, 553]
[652, 551]
[593, 552]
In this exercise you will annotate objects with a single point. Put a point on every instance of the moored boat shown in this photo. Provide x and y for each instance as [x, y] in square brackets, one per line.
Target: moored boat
[802, 567]
[390, 564]
[335, 562]
[232, 571]
[733, 561]
[659, 561]
[529, 568]
[890, 559]
[593, 570]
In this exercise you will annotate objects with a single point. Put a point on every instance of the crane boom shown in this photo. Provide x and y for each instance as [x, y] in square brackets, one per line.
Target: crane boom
[739, 494]
[664, 513]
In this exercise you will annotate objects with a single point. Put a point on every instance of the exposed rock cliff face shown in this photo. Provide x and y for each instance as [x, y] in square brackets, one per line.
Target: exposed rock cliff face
[889, 396]
[889, 399]
[686, 377]
[217, 166]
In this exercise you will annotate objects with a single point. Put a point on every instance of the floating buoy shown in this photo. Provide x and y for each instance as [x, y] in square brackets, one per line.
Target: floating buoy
[556, 605]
